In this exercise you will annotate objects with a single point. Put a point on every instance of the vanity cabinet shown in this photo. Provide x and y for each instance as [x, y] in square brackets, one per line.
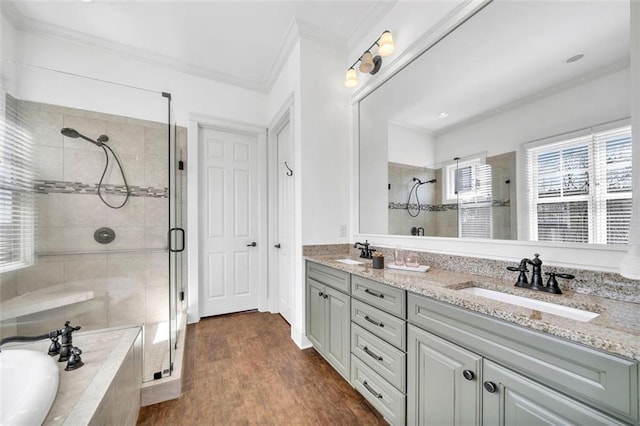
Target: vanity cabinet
[378, 346]
[508, 366]
[444, 383]
[512, 399]
[329, 315]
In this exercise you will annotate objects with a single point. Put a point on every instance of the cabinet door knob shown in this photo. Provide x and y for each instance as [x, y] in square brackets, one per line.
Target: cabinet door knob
[490, 387]
[321, 294]
[468, 374]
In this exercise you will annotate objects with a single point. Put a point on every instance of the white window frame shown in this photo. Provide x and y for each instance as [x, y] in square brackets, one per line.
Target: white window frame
[597, 196]
[450, 195]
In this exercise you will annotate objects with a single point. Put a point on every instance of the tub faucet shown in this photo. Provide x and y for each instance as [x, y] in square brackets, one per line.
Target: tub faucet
[54, 348]
[67, 351]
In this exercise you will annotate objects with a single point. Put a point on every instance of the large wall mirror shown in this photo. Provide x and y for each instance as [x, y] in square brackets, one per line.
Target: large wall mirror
[515, 126]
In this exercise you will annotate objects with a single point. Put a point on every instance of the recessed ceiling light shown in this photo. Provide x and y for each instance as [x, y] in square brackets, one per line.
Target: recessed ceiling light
[443, 115]
[575, 58]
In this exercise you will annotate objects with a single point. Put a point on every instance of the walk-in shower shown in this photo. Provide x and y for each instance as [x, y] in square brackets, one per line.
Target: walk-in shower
[104, 264]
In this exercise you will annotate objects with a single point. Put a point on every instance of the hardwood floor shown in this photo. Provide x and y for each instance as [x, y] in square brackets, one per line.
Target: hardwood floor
[245, 369]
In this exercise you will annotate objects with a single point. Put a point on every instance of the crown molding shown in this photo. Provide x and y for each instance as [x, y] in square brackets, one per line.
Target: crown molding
[45, 29]
[368, 23]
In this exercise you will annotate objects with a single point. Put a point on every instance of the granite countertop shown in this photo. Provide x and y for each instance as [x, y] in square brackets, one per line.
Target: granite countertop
[616, 330]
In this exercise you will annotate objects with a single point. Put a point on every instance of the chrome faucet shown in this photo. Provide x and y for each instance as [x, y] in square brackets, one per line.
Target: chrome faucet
[365, 251]
[536, 276]
[67, 351]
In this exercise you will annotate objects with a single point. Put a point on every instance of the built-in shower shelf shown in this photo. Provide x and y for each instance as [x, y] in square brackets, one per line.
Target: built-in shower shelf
[41, 300]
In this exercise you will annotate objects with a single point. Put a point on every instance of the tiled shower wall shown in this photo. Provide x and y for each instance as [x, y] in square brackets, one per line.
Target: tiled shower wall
[128, 287]
[439, 219]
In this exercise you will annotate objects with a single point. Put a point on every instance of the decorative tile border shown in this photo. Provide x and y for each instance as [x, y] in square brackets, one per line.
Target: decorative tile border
[52, 187]
[442, 207]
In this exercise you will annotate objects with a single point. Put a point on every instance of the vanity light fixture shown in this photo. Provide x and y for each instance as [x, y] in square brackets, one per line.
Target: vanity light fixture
[369, 63]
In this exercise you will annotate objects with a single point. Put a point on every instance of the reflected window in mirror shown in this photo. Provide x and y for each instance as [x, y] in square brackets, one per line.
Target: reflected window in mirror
[580, 188]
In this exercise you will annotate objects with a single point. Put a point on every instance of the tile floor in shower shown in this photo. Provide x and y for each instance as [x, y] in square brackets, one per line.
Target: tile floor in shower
[156, 350]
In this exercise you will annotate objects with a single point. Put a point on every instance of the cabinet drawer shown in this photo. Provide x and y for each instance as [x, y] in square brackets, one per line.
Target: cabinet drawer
[339, 280]
[385, 297]
[382, 324]
[389, 401]
[388, 361]
[602, 380]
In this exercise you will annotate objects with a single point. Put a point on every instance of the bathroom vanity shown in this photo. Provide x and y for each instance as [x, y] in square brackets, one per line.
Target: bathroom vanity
[422, 350]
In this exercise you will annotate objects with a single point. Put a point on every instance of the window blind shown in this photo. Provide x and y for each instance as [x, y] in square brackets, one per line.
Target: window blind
[16, 188]
[580, 188]
[475, 202]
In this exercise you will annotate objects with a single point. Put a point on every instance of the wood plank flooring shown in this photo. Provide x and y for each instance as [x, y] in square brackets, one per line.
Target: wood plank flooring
[245, 369]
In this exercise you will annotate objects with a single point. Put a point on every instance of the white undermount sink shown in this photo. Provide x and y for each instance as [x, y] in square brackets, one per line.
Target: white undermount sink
[539, 305]
[350, 261]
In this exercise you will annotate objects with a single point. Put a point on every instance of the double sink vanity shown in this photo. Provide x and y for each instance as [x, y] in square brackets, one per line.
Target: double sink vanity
[449, 347]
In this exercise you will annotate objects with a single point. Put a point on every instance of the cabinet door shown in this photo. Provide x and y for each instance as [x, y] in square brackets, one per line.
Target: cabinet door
[316, 316]
[512, 399]
[338, 343]
[443, 381]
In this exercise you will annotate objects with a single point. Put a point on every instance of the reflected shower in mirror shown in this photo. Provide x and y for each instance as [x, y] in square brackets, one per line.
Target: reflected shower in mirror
[530, 110]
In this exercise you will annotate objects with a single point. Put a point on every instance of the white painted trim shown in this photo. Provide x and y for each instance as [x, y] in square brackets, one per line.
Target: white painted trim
[196, 122]
[283, 117]
[580, 256]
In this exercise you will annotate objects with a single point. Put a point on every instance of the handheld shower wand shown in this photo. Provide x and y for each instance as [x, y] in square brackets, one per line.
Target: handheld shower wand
[73, 133]
[101, 142]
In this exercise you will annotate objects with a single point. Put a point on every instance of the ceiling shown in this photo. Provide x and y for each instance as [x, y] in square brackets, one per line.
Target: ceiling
[238, 42]
[510, 53]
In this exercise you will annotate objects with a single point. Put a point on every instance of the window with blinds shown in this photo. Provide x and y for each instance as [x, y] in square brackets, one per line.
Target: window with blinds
[580, 188]
[16, 189]
[475, 201]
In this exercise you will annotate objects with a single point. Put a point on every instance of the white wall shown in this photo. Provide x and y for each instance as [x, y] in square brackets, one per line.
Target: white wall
[411, 146]
[190, 94]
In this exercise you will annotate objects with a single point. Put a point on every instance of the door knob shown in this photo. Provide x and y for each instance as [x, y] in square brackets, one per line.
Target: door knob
[277, 245]
[468, 374]
[253, 244]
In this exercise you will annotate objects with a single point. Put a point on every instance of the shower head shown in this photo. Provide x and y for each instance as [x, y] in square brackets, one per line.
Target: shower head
[73, 133]
[415, 179]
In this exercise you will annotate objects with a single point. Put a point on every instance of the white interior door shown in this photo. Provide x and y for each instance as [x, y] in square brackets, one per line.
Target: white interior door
[228, 222]
[284, 252]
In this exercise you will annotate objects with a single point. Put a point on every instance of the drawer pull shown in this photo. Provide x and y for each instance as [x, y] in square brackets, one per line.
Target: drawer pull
[371, 354]
[468, 374]
[373, 293]
[490, 386]
[370, 389]
[379, 324]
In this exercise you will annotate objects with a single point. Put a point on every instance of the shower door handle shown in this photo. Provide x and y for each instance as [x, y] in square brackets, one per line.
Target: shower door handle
[171, 233]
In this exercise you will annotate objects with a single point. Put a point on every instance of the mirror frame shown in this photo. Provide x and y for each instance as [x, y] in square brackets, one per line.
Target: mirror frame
[598, 257]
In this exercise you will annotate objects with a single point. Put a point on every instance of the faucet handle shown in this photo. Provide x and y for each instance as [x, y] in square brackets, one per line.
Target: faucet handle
[552, 284]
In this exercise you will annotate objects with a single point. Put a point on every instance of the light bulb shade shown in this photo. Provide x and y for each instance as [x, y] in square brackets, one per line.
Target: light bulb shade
[385, 44]
[351, 80]
[366, 62]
